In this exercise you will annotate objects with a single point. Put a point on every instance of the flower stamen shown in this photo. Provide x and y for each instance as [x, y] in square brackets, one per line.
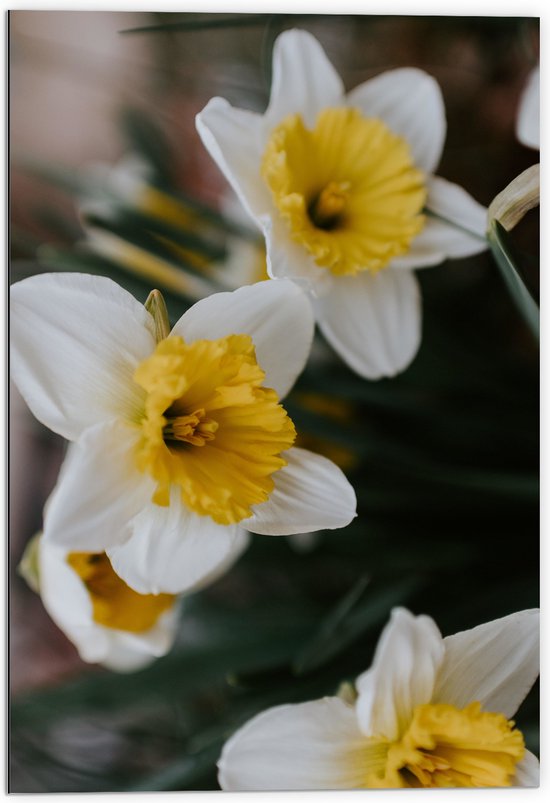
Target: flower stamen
[196, 429]
[326, 209]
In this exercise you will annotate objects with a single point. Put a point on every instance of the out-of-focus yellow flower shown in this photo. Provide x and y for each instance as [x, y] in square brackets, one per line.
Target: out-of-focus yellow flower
[130, 183]
[332, 408]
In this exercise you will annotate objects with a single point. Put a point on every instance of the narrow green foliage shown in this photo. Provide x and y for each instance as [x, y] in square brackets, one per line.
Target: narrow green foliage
[348, 621]
[526, 304]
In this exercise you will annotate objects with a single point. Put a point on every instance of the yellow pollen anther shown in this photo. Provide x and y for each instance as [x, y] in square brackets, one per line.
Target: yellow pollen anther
[326, 209]
[195, 429]
[115, 604]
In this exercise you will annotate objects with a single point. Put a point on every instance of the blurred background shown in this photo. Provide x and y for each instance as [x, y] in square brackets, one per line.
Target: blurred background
[444, 458]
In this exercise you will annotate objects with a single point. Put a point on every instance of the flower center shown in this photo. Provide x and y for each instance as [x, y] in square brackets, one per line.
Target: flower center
[196, 428]
[347, 189]
[448, 747]
[115, 604]
[210, 427]
[326, 209]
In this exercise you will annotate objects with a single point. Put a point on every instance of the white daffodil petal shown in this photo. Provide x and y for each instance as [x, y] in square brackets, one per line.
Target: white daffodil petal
[304, 80]
[158, 639]
[311, 493]
[69, 604]
[495, 664]
[314, 745]
[287, 259]
[456, 229]
[172, 550]
[278, 317]
[455, 205]
[234, 139]
[123, 657]
[373, 321]
[528, 119]
[99, 490]
[76, 341]
[410, 102]
[402, 675]
[67, 601]
[128, 652]
[436, 242]
[527, 771]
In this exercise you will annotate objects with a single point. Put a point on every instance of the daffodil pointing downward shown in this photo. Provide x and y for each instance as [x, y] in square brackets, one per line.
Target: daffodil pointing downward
[430, 712]
[107, 621]
[342, 189]
[181, 444]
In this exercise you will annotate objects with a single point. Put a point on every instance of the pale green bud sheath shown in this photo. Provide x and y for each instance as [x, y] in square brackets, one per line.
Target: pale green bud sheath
[28, 567]
[521, 195]
[156, 306]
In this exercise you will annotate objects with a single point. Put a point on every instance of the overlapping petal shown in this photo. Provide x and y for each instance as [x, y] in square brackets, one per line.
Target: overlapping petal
[99, 490]
[527, 771]
[495, 663]
[455, 228]
[234, 138]
[278, 317]
[402, 675]
[130, 651]
[124, 657]
[172, 550]
[76, 341]
[410, 102]
[286, 258]
[69, 604]
[311, 493]
[314, 745]
[303, 81]
[373, 321]
[454, 204]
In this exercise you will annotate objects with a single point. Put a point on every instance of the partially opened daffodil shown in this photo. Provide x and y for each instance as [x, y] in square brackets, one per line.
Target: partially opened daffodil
[181, 444]
[108, 622]
[342, 188]
[430, 712]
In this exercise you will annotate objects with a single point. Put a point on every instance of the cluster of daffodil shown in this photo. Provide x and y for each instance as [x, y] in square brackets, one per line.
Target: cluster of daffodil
[180, 446]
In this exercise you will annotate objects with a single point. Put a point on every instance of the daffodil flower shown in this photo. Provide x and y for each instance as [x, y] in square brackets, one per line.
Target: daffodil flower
[430, 712]
[180, 442]
[107, 621]
[528, 118]
[342, 188]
